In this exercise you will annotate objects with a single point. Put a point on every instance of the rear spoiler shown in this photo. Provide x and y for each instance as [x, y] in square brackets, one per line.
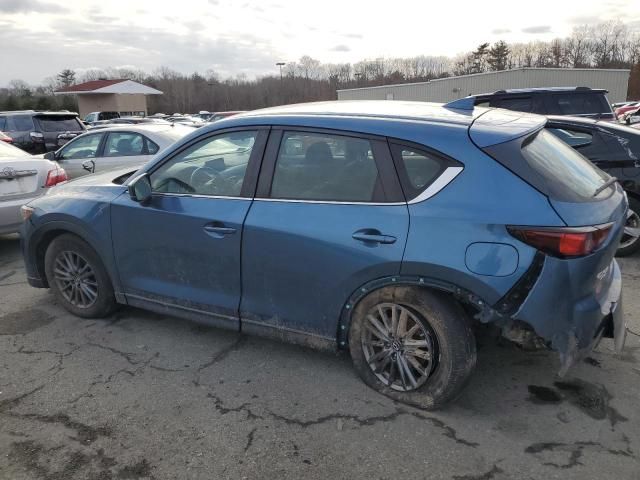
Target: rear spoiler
[498, 126]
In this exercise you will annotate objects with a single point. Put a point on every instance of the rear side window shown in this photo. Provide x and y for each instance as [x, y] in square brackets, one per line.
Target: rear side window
[561, 167]
[124, 144]
[523, 104]
[579, 104]
[324, 167]
[59, 124]
[19, 123]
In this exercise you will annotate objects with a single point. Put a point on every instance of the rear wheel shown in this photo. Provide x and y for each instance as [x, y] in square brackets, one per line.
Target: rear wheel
[630, 241]
[413, 345]
[78, 278]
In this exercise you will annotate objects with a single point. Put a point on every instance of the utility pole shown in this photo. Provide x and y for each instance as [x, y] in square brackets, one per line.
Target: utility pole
[281, 64]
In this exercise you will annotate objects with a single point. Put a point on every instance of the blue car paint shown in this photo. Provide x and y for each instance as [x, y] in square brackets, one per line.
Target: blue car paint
[309, 248]
[164, 253]
[492, 259]
[302, 271]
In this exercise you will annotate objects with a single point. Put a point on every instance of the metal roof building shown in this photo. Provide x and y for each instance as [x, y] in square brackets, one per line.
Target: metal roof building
[447, 89]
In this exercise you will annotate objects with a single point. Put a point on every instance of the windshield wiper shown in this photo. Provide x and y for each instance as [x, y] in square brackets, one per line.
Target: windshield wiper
[606, 184]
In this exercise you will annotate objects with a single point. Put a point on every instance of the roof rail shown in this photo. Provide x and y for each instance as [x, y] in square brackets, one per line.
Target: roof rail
[466, 103]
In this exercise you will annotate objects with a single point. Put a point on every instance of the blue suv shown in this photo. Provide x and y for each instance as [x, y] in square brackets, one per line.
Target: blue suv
[382, 228]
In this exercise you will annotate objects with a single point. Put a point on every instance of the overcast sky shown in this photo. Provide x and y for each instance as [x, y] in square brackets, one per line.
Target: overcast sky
[41, 37]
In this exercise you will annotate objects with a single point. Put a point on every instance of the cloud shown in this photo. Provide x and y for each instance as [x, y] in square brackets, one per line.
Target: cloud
[352, 35]
[584, 19]
[341, 48]
[500, 31]
[28, 6]
[537, 29]
[89, 45]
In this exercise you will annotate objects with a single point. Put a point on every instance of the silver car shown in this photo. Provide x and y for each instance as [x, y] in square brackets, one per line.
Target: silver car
[23, 178]
[115, 147]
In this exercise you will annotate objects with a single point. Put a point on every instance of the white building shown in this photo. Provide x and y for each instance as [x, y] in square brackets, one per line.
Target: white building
[447, 89]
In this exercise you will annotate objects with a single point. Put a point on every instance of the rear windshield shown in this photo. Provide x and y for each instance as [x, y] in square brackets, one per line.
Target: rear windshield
[552, 167]
[561, 166]
[59, 124]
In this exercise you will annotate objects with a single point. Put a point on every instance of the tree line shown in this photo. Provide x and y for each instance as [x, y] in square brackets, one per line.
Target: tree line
[606, 45]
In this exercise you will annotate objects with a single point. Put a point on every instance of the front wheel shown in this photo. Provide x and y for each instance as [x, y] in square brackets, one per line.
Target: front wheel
[413, 345]
[78, 278]
[630, 241]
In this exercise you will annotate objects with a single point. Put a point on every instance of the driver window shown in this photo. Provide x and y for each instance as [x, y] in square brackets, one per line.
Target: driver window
[214, 166]
[85, 146]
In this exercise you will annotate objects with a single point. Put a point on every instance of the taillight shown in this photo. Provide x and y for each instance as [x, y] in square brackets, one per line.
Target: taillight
[37, 137]
[56, 176]
[7, 139]
[563, 242]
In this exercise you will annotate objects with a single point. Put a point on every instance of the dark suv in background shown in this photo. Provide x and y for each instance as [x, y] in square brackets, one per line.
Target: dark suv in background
[40, 131]
[577, 101]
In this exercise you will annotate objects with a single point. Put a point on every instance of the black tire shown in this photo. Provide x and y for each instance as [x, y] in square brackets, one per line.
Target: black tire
[633, 245]
[443, 320]
[104, 303]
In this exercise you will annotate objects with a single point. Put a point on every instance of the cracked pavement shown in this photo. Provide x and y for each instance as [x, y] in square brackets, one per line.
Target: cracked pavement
[145, 396]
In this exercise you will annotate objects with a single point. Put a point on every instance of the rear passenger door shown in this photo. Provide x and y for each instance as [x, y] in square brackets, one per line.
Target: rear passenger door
[328, 217]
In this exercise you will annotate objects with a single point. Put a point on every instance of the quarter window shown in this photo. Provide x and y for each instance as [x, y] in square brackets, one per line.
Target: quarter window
[418, 168]
[214, 166]
[312, 166]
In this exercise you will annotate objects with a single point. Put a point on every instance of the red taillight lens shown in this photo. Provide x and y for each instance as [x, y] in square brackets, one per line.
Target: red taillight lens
[56, 176]
[563, 242]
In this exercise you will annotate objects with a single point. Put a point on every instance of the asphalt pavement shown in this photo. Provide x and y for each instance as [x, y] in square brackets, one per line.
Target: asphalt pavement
[145, 396]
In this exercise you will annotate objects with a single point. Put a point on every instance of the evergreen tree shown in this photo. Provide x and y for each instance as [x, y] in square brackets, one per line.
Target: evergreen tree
[498, 56]
[66, 77]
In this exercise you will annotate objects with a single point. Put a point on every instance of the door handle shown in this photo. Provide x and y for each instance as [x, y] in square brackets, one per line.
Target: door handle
[219, 230]
[370, 235]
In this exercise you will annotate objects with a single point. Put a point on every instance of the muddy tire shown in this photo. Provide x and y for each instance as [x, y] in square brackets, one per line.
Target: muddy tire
[630, 244]
[413, 345]
[78, 279]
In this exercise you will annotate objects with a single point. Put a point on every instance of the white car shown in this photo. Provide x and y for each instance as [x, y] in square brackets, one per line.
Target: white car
[22, 178]
[115, 147]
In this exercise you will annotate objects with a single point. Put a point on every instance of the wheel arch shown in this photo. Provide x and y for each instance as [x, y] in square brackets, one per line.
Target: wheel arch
[49, 231]
[460, 295]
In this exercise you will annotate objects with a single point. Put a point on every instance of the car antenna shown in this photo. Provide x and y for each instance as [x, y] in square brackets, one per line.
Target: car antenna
[466, 103]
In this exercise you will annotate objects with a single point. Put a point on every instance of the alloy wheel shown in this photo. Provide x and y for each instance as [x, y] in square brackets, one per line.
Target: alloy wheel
[398, 347]
[631, 229]
[76, 279]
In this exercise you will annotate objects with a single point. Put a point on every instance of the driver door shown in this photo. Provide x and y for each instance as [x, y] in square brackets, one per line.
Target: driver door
[181, 252]
[79, 150]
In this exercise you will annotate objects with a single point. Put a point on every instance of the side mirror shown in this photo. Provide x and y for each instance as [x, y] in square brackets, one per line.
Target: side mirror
[50, 155]
[140, 189]
[89, 166]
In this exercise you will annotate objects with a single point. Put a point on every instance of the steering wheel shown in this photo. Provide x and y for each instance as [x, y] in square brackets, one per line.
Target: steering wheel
[203, 176]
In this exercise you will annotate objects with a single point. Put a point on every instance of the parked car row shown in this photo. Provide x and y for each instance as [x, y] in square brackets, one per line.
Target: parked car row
[406, 223]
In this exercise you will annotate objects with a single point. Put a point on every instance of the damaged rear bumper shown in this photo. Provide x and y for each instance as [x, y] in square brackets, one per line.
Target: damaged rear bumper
[573, 324]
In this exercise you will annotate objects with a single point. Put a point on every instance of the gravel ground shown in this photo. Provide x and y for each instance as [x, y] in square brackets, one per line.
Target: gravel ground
[143, 396]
